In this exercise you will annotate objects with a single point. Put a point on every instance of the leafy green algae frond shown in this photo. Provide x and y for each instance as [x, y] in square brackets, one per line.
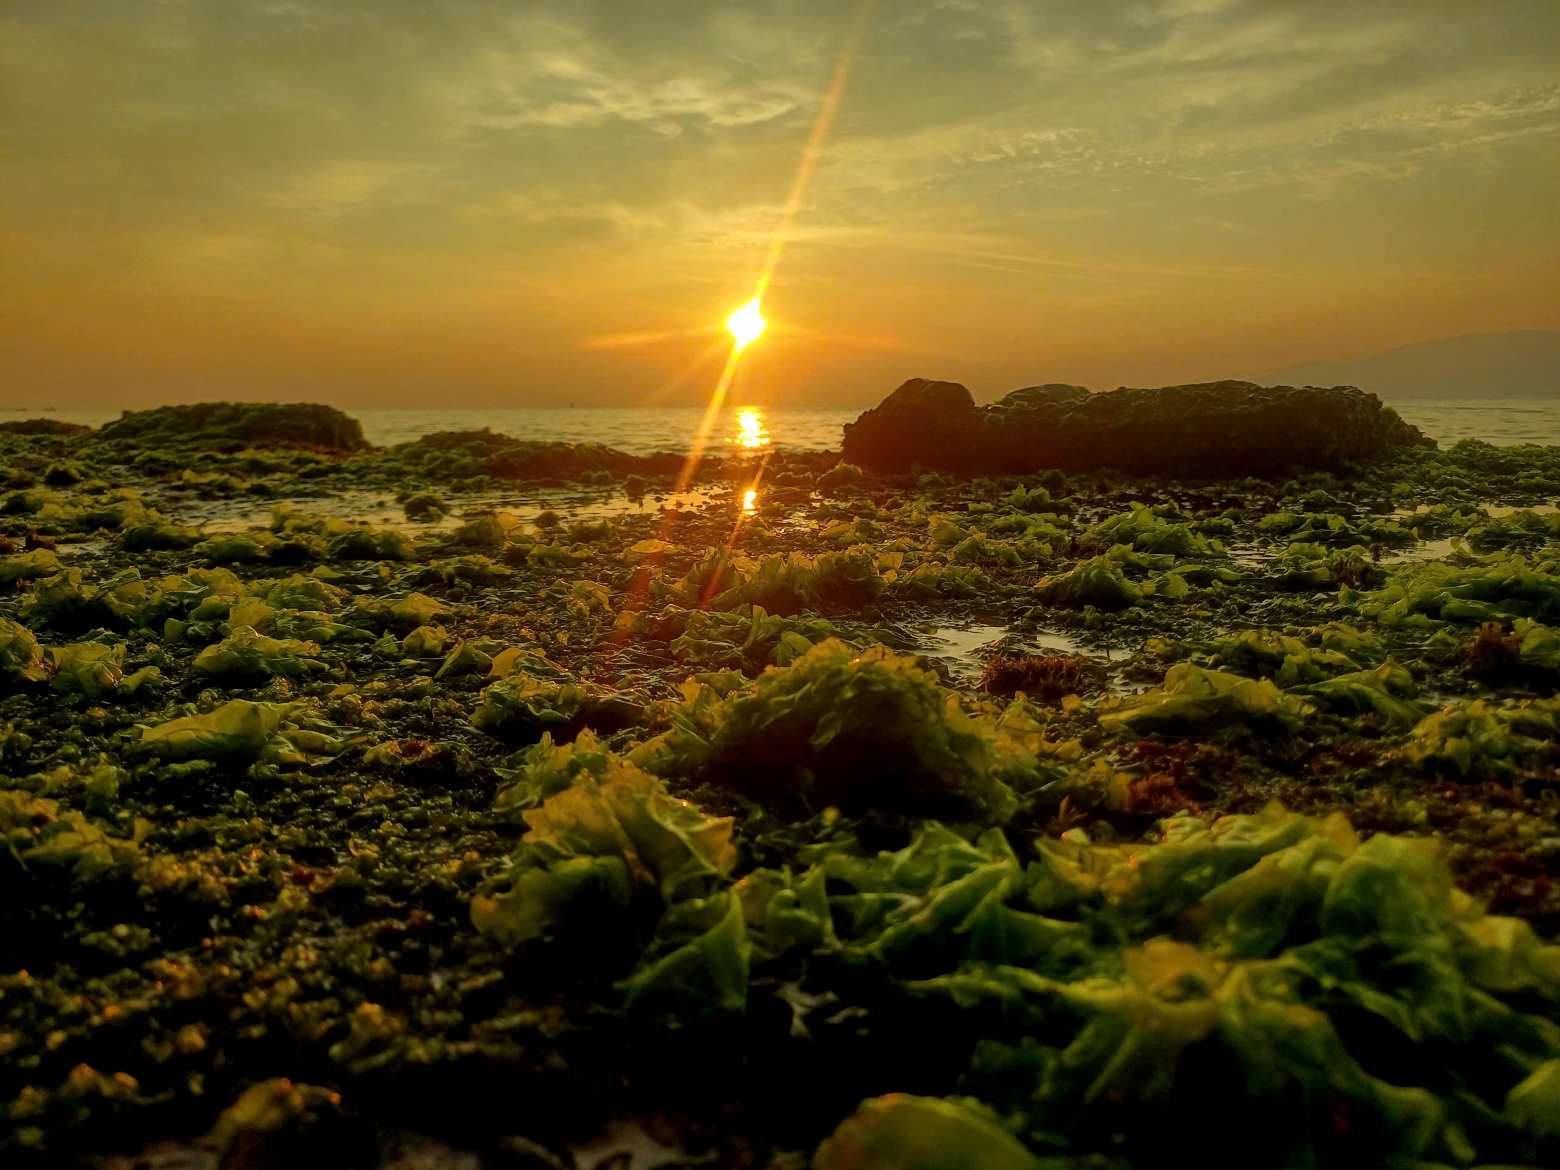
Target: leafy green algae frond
[21, 657]
[606, 836]
[1308, 973]
[857, 731]
[1194, 699]
[1483, 738]
[237, 728]
[902, 1132]
[1097, 582]
[244, 653]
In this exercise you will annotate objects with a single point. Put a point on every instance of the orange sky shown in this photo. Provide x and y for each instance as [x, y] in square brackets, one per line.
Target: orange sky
[402, 204]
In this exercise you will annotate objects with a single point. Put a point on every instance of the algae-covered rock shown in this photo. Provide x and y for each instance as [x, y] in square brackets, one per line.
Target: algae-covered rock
[300, 423]
[1205, 429]
[449, 455]
[425, 506]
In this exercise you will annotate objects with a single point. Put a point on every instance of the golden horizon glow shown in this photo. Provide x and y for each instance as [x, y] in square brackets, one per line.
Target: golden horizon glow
[747, 323]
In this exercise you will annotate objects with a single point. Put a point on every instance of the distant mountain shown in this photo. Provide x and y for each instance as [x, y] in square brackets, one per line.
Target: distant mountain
[1524, 364]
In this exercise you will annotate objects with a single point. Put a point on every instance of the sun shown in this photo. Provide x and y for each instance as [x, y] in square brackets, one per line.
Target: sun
[746, 324]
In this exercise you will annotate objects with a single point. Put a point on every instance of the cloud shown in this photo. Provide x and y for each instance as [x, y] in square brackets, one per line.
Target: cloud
[573, 152]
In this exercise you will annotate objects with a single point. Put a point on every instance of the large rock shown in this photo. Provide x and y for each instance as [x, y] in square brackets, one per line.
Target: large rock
[1207, 429]
[42, 426]
[304, 424]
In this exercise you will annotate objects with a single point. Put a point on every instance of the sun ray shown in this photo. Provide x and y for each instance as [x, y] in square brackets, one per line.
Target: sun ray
[747, 323]
[642, 338]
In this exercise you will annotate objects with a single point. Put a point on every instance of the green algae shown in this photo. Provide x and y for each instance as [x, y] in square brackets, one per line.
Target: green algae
[837, 728]
[1097, 582]
[289, 885]
[1193, 699]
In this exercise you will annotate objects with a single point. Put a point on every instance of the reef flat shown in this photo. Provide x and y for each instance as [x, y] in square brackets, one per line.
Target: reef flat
[485, 802]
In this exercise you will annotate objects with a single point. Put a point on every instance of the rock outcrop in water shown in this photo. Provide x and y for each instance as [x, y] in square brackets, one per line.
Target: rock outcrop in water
[277, 423]
[487, 452]
[1206, 429]
[42, 426]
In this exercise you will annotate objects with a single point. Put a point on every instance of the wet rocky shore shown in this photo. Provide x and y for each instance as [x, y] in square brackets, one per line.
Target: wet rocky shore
[1152, 796]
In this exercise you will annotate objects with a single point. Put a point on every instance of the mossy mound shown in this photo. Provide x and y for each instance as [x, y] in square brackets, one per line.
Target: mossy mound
[288, 423]
[487, 452]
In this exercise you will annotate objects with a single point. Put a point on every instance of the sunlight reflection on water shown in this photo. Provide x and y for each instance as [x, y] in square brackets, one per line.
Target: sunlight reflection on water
[751, 434]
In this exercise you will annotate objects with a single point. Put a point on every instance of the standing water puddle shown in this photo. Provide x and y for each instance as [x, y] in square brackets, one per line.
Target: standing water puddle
[233, 515]
[966, 649]
[1425, 550]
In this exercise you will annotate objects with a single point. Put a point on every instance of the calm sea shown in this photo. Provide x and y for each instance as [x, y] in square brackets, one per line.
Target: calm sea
[1504, 421]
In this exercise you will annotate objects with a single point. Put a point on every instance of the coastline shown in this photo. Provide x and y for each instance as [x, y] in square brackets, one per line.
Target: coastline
[320, 882]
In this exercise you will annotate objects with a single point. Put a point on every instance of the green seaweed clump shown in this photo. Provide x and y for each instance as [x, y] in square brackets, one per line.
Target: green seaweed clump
[1250, 980]
[36, 834]
[1097, 582]
[899, 1131]
[238, 730]
[1508, 588]
[607, 834]
[522, 706]
[28, 566]
[1484, 738]
[1193, 699]
[20, 655]
[92, 669]
[857, 731]
[244, 653]
[1144, 530]
[1387, 692]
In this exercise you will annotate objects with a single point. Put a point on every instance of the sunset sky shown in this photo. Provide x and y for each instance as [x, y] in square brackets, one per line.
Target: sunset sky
[471, 202]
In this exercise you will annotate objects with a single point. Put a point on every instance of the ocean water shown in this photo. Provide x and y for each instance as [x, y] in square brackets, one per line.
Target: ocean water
[1494, 420]
[1503, 421]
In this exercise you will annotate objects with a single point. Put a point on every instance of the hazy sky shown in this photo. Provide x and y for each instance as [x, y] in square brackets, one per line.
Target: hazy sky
[421, 202]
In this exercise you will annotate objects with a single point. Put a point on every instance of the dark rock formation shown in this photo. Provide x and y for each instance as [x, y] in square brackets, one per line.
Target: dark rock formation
[1207, 429]
[301, 424]
[42, 426]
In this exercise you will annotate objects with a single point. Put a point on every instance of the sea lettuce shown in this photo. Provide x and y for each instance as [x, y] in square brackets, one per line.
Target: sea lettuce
[903, 1132]
[600, 838]
[1483, 738]
[854, 730]
[1192, 699]
[21, 657]
[92, 669]
[1097, 582]
[245, 653]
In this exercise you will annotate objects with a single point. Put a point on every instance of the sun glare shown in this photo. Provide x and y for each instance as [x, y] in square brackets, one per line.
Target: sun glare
[746, 324]
[750, 429]
[750, 501]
